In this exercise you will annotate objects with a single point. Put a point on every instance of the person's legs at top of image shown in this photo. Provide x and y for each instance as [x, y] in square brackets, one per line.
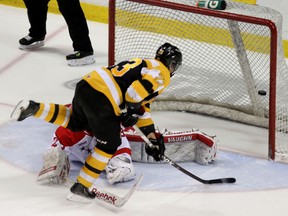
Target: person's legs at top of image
[37, 16]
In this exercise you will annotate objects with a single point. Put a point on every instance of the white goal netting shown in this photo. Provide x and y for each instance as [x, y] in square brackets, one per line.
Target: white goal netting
[226, 60]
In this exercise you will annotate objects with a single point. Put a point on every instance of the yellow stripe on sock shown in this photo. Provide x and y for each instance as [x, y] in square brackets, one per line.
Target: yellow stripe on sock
[96, 164]
[84, 182]
[63, 114]
[40, 111]
[50, 112]
[102, 153]
[90, 173]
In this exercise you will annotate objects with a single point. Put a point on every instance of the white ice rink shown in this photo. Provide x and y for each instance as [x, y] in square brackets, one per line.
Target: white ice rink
[42, 75]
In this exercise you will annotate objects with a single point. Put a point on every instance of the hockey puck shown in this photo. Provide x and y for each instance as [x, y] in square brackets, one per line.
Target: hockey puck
[262, 92]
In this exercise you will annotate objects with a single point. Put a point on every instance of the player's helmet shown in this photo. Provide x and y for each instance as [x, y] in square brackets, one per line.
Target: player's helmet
[170, 56]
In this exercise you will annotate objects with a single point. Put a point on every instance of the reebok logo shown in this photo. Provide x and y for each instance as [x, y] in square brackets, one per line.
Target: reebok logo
[104, 196]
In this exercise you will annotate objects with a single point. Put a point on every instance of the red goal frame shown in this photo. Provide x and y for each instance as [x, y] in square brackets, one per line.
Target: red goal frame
[219, 14]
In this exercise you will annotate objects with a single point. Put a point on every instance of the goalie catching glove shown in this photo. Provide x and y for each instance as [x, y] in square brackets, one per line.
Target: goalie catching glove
[158, 148]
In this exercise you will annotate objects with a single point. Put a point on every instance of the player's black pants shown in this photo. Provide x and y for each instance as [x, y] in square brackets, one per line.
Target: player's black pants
[73, 15]
[91, 110]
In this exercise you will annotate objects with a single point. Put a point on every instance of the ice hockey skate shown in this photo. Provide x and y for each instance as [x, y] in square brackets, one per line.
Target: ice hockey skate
[80, 193]
[79, 58]
[29, 42]
[24, 109]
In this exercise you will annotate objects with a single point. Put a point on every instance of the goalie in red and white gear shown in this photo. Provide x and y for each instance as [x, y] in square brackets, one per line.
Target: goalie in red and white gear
[69, 147]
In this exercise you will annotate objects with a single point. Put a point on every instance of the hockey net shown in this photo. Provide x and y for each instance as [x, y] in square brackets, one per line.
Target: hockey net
[228, 57]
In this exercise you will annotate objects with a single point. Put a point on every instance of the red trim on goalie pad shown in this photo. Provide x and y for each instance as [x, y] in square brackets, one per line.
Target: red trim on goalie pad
[167, 138]
[206, 140]
[123, 150]
[47, 170]
[177, 137]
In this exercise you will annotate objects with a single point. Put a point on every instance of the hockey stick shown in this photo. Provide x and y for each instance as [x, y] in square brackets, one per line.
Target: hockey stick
[114, 199]
[108, 197]
[165, 158]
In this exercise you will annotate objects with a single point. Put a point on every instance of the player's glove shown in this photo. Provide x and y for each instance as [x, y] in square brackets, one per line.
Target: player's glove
[158, 148]
[130, 118]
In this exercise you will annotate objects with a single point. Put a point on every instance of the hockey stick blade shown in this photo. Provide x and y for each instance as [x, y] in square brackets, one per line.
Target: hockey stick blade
[165, 158]
[115, 200]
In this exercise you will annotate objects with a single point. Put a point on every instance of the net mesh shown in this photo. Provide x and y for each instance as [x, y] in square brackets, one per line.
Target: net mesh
[225, 62]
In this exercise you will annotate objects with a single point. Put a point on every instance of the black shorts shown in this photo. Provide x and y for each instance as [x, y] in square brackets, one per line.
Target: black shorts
[92, 110]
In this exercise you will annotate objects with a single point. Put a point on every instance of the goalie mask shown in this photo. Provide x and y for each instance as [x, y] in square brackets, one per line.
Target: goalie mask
[170, 56]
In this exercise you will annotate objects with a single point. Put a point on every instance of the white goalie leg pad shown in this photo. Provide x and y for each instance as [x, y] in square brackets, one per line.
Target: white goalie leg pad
[206, 151]
[120, 169]
[55, 168]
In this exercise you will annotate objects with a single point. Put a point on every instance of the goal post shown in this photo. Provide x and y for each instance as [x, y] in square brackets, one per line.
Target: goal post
[232, 59]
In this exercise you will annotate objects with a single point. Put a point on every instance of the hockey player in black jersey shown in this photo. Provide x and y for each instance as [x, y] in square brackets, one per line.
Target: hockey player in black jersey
[106, 98]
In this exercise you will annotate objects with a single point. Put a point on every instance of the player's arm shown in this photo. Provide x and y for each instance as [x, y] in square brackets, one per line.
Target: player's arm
[154, 78]
[151, 83]
[146, 125]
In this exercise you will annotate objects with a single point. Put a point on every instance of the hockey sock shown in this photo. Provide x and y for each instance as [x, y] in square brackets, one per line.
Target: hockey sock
[54, 113]
[94, 165]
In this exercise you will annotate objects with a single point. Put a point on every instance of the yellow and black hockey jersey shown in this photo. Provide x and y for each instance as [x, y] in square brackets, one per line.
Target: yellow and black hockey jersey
[134, 81]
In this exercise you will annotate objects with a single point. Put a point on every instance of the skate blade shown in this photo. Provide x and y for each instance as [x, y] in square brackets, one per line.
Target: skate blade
[22, 105]
[77, 198]
[35, 45]
[83, 61]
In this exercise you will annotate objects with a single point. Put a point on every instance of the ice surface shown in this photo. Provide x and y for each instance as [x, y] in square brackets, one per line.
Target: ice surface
[261, 187]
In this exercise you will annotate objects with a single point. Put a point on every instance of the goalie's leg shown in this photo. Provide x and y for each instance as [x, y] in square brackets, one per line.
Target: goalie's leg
[56, 167]
[206, 150]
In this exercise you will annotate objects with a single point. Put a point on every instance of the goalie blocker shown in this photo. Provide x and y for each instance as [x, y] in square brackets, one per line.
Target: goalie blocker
[181, 146]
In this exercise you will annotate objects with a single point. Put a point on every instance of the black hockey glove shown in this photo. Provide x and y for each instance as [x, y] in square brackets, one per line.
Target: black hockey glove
[130, 118]
[158, 149]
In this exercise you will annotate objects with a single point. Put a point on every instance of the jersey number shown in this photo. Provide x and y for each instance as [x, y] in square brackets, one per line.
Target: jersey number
[123, 67]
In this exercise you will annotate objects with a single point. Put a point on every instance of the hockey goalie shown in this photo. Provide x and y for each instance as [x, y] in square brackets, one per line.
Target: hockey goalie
[69, 148]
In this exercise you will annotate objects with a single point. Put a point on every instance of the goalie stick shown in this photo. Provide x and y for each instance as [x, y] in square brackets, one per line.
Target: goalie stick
[109, 197]
[165, 158]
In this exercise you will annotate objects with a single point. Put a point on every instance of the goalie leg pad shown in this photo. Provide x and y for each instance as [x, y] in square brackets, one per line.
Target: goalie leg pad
[206, 154]
[120, 169]
[55, 168]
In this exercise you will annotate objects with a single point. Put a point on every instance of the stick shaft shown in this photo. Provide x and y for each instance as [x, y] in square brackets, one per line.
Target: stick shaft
[181, 169]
